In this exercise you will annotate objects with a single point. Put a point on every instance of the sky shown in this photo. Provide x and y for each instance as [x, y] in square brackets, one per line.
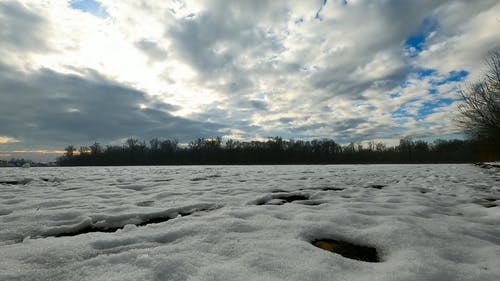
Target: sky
[80, 71]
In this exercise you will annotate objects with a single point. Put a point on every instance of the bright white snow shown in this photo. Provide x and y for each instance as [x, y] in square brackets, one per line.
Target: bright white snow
[428, 222]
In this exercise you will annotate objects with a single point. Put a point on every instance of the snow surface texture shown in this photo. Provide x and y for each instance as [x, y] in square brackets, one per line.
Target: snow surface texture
[428, 222]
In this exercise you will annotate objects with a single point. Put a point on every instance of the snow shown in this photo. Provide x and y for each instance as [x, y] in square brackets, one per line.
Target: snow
[428, 222]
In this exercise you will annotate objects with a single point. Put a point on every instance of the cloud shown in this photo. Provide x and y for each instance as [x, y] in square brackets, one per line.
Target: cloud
[152, 50]
[21, 29]
[48, 109]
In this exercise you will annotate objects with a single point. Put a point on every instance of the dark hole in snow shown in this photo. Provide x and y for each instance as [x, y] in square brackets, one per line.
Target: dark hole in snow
[332, 189]
[487, 202]
[145, 203]
[280, 199]
[162, 180]
[348, 250]
[9, 182]
[292, 197]
[15, 182]
[310, 202]
[489, 205]
[88, 229]
[5, 212]
[53, 180]
[278, 191]
[198, 179]
[205, 178]
[487, 166]
[377, 186]
[157, 220]
[102, 228]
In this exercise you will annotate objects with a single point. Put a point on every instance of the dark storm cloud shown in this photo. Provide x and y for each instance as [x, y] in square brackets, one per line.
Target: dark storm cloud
[21, 29]
[53, 109]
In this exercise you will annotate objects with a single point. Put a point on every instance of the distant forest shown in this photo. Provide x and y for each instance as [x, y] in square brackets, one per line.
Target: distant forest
[273, 151]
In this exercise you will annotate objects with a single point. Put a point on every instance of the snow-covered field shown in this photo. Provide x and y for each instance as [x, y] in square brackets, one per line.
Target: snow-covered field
[427, 222]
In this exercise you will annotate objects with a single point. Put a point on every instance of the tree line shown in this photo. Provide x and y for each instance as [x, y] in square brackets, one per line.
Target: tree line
[479, 119]
[275, 150]
[480, 110]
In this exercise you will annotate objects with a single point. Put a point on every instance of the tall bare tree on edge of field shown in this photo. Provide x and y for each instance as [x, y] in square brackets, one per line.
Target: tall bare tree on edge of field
[480, 110]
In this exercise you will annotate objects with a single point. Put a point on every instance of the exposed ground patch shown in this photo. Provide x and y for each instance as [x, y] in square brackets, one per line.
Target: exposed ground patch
[487, 202]
[52, 179]
[281, 198]
[15, 182]
[332, 188]
[487, 165]
[311, 202]
[147, 203]
[162, 180]
[205, 178]
[5, 212]
[348, 250]
[376, 186]
[99, 225]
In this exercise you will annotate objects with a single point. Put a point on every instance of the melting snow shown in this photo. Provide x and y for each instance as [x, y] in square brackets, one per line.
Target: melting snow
[426, 222]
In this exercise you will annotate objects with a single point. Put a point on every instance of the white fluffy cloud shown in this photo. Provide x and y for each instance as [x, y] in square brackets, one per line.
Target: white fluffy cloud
[351, 70]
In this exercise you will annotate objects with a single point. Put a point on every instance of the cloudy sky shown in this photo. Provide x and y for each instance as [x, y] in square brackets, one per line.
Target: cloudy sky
[75, 72]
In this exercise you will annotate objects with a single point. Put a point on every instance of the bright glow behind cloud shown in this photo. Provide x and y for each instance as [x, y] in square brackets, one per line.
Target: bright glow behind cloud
[4, 139]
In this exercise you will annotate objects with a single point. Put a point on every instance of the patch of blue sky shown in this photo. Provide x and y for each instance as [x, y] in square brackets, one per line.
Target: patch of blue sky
[89, 6]
[400, 112]
[453, 76]
[403, 83]
[433, 91]
[431, 107]
[425, 72]
[394, 95]
[415, 43]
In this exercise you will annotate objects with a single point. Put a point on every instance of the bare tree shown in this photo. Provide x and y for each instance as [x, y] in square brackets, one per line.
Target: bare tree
[480, 110]
[70, 150]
